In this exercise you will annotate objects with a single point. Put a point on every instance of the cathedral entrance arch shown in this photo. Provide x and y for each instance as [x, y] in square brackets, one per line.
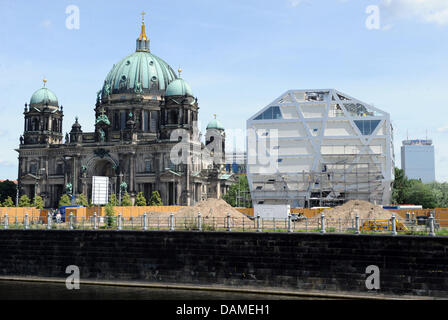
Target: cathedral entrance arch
[102, 167]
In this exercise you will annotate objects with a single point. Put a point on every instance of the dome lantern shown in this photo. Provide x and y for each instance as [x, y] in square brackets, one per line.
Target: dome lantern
[143, 40]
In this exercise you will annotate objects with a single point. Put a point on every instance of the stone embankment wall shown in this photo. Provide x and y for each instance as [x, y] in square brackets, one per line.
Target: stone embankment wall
[330, 262]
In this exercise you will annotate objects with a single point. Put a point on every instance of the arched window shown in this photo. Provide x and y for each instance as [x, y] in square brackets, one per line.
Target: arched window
[173, 117]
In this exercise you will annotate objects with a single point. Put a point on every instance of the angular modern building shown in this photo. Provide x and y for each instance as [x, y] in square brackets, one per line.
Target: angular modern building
[417, 160]
[313, 148]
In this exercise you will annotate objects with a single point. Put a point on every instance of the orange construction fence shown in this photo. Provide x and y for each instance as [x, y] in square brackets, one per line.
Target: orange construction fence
[126, 212]
[441, 214]
[18, 213]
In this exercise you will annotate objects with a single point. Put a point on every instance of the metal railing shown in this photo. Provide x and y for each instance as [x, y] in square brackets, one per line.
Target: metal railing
[320, 224]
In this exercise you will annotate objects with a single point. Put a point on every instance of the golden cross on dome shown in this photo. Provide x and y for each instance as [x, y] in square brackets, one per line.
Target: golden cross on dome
[143, 16]
[180, 71]
[214, 115]
[44, 81]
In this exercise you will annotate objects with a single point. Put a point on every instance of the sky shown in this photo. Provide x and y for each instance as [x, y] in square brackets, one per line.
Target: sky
[237, 55]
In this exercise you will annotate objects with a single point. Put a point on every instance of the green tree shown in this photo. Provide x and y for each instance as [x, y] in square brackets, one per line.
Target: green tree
[407, 191]
[401, 185]
[126, 201]
[239, 193]
[140, 200]
[65, 201]
[155, 199]
[38, 202]
[113, 200]
[110, 216]
[8, 202]
[7, 189]
[440, 191]
[420, 194]
[24, 201]
[82, 200]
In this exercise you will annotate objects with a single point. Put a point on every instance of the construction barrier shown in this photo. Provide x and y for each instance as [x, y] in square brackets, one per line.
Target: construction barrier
[126, 212]
[18, 214]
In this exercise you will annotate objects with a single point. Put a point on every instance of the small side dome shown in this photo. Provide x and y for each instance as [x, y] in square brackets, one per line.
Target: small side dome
[178, 87]
[76, 127]
[215, 124]
[44, 96]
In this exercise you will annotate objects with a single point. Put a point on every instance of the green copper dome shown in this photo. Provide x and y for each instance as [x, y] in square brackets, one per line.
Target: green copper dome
[215, 124]
[44, 96]
[140, 72]
[179, 87]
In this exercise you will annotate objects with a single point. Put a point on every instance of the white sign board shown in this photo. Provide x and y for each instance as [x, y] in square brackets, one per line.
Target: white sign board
[269, 211]
[100, 190]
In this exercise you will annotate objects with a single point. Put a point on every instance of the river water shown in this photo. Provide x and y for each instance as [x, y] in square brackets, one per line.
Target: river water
[22, 290]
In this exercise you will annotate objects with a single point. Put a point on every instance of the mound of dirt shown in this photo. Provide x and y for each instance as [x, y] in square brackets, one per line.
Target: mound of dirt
[209, 209]
[365, 210]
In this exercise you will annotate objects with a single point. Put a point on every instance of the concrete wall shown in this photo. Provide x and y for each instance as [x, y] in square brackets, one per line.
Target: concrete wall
[408, 265]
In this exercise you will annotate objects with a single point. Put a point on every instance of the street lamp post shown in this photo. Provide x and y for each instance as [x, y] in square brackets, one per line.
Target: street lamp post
[17, 194]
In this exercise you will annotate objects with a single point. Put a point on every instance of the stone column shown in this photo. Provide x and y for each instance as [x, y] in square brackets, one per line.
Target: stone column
[218, 190]
[178, 195]
[75, 175]
[132, 172]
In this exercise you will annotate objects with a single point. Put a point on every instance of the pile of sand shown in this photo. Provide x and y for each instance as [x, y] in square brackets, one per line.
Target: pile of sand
[344, 216]
[212, 210]
[365, 210]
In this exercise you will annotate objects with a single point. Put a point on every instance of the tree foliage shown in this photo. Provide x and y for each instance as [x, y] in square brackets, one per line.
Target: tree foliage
[113, 200]
[440, 191]
[155, 200]
[7, 189]
[410, 191]
[8, 202]
[126, 201]
[140, 200]
[110, 216]
[239, 194]
[24, 201]
[38, 202]
[82, 200]
[65, 201]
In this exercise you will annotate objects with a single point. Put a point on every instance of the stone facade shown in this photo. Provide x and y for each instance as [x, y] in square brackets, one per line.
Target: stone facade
[145, 118]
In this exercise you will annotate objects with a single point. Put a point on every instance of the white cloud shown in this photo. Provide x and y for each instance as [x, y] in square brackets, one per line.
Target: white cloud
[428, 11]
[443, 129]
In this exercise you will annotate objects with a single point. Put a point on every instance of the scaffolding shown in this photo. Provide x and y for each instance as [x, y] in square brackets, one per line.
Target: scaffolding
[329, 148]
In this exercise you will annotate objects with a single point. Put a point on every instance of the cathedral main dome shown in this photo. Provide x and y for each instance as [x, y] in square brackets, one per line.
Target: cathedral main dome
[139, 73]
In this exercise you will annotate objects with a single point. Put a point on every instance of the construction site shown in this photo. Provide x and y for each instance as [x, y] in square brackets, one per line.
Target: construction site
[324, 148]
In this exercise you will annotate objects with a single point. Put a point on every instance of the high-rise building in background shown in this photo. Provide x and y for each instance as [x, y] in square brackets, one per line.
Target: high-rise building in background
[417, 160]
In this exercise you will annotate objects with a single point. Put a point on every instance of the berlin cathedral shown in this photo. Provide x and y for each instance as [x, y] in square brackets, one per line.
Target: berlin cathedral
[141, 104]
